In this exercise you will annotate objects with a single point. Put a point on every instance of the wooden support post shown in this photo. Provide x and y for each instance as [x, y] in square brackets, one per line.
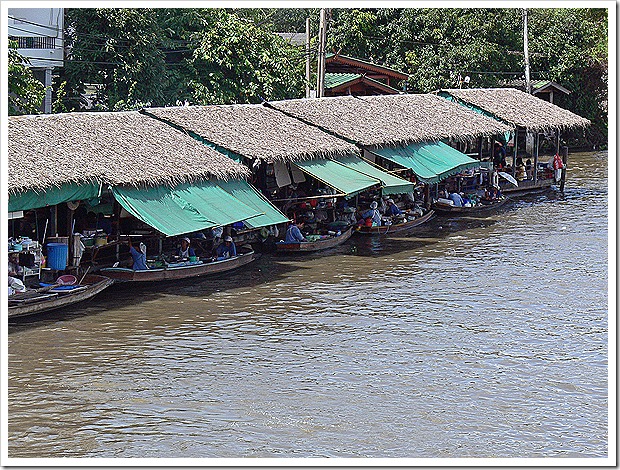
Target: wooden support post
[427, 196]
[564, 162]
[536, 141]
[53, 221]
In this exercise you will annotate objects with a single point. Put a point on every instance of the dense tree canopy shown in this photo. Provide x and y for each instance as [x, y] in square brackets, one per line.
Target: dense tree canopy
[128, 58]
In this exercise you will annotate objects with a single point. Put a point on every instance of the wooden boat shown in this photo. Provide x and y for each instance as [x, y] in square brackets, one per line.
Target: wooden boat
[179, 270]
[443, 208]
[383, 229]
[37, 301]
[307, 247]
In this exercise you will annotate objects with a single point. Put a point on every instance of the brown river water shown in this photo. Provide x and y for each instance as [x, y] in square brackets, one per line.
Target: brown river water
[467, 338]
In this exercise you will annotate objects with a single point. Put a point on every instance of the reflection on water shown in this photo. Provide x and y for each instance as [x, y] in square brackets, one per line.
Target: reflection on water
[466, 338]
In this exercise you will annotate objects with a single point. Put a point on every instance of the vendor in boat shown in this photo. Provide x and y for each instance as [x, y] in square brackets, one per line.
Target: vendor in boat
[138, 256]
[371, 216]
[293, 233]
[16, 285]
[392, 208]
[185, 250]
[457, 199]
[15, 269]
[348, 216]
[226, 249]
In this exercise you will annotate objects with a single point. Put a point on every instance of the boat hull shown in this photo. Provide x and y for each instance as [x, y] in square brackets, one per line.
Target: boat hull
[447, 209]
[51, 301]
[319, 245]
[383, 229]
[180, 272]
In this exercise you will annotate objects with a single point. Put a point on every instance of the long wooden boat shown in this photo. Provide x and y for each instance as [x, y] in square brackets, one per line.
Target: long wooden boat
[44, 300]
[443, 208]
[383, 229]
[179, 270]
[307, 247]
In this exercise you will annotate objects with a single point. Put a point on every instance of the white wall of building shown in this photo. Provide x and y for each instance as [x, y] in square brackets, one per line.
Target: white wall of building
[39, 32]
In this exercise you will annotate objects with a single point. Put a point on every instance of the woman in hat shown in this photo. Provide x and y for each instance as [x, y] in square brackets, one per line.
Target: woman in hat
[226, 249]
[185, 251]
[373, 214]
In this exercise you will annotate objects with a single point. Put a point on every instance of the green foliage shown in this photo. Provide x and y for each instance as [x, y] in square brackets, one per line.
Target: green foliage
[160, 57]
[237, 62]
[26, 93]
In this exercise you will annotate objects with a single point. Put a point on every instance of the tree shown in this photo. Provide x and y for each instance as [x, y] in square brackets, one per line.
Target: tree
[26, 93]
[237, 62]
[159, 57]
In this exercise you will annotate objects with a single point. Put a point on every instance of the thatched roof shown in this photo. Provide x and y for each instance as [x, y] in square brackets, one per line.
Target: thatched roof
[519, 108]
[378, 121]
[111, 148]
[255, 131]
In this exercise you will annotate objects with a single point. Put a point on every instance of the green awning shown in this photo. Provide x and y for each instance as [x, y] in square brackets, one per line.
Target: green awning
[390, 184]
[430, 161]
[55, 195]
[247, 194]
[339, 177]
[188, 207]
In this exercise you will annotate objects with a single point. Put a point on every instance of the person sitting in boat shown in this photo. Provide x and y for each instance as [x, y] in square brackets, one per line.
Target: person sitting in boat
[293, 233]
[16, 285]
[138, 256]
[348, 216]
[528, 169]
[392, 208]
[372, 216]
[185, 250]
[227, 249]
[15, 269]
[457, 199]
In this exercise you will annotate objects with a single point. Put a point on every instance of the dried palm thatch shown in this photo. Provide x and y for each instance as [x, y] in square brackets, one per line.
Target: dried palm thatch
[255, 131]
[519, 108]
[378, 121]
[109, 148]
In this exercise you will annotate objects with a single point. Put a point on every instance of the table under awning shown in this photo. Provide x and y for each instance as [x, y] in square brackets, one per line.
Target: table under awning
[32, 199]
[430, 161]
[390, 184]
[188, 207]
[338, 176]
[248, 195]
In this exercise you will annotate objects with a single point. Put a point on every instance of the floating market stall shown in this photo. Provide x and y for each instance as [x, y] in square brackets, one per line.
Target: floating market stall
[530, 118]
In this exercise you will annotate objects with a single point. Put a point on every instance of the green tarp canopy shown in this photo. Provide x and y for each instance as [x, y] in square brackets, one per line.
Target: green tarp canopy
[51, 196]
[188, 207]
[338, 176]
[390, 184]
[430, 161]
[247, 194]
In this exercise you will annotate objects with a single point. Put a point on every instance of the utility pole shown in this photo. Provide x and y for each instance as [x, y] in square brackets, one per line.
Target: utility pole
[307, 57]
[528, 84]
[320, 76]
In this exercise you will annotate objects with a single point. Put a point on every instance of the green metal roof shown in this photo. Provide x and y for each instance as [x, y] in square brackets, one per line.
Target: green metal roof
[332, 80]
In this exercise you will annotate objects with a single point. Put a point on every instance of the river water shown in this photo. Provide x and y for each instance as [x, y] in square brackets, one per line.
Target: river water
[468, 338]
